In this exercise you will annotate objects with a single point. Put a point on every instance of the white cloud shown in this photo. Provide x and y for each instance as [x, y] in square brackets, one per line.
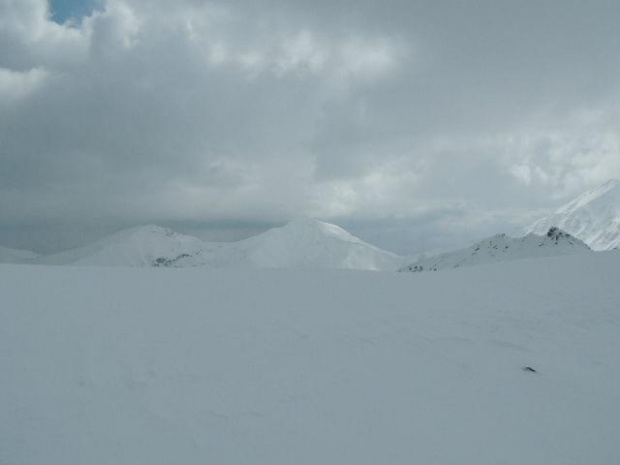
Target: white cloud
[301, 53]
[16, 85]
[368, 58]
[118, 24]
[30, 39]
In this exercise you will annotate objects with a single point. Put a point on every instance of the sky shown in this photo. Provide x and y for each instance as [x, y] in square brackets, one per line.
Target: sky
[66, 10]
[416, 124]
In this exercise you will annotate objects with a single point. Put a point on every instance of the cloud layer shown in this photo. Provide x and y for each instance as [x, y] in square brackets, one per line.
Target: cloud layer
[451, 117]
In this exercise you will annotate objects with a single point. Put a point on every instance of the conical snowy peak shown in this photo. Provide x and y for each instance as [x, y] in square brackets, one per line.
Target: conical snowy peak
[502, 248]
[307, 243]
[304, 230]
[594, 217]
[304, 227]
[301, 243]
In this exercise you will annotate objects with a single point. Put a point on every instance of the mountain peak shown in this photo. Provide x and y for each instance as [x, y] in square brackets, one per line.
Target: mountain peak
[309, 226]
[556, 234]
[502, 247]
[593, 217]
[604, 196]
[301, 243]
[144, 245]
[304, 222]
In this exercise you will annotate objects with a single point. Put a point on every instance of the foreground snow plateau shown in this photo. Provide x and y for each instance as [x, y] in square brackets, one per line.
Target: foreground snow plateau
[133, 366]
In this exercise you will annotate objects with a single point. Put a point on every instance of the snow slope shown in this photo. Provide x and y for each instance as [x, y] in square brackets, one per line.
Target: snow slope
[593, 217]
[302, 243]
[502, 248]
[16, 255]
[277, 367]
[142, 246]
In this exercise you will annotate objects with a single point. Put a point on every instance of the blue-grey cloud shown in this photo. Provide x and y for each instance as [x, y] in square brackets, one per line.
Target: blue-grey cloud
[455, 118]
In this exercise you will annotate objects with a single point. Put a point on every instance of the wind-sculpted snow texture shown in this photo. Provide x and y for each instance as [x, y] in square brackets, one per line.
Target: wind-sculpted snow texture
[195, 366]
[502, 248]
[302, 243]
[593, 217]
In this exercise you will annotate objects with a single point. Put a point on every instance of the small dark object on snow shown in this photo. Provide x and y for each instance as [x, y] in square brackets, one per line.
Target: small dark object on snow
[529, 369]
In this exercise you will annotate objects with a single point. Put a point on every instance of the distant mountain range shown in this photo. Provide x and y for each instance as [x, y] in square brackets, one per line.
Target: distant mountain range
[501, 248]
[593, 217]
[136, 247]
[302, 243]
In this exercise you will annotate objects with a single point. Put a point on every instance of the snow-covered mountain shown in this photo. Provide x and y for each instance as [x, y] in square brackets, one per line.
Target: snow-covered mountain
[142, 246]
[16, 255]
[302, 243]
[502, 248]
[593, 217]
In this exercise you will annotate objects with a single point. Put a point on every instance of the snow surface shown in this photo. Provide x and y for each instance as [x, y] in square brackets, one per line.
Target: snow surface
[130, 366]
[502, 248]
[302, 243]
[593, 217]
[16, 255]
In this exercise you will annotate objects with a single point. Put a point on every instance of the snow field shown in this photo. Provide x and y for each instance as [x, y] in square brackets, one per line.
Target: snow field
[242, 366]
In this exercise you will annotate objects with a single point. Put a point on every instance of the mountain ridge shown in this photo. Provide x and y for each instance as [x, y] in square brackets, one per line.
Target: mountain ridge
[138, 246]
[501, 248]
[301, 243]
[593, 217]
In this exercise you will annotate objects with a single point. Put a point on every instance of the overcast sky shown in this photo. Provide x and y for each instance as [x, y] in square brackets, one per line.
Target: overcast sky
[417, 124]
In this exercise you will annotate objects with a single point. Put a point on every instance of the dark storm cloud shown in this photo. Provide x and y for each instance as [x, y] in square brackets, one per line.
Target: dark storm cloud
[453, 118]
